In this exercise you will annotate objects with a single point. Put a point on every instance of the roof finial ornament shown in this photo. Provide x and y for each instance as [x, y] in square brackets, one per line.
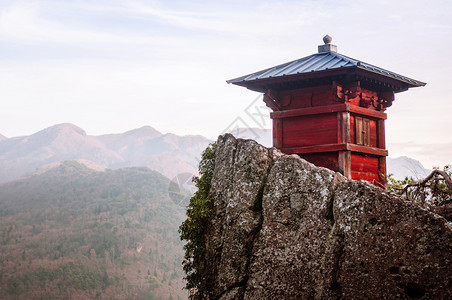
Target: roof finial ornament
[327, 39]
[328, 47]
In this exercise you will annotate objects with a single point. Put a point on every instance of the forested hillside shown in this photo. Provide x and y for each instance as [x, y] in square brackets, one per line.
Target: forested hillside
[77, 233]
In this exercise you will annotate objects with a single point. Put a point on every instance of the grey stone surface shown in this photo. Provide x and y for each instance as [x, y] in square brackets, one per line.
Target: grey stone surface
[285, 229]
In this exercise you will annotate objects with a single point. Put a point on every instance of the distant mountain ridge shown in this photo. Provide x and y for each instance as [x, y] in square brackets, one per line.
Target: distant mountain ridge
[168, 154]
[403, 166]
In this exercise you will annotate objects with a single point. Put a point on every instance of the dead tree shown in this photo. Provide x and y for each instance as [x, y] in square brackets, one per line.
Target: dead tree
[433, 193]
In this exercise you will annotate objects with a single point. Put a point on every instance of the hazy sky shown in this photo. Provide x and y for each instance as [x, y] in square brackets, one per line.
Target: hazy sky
[111, 65]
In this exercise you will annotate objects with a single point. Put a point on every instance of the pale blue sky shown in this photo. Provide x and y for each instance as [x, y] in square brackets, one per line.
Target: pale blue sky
[111, 66]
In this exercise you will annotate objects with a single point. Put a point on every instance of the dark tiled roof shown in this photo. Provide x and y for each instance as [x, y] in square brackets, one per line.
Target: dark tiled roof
[317, 62]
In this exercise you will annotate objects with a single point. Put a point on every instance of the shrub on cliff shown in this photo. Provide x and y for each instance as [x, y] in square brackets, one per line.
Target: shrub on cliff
[192, 229]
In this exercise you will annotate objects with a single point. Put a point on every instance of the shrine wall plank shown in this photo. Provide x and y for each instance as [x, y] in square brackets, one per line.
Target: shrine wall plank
[310, 130]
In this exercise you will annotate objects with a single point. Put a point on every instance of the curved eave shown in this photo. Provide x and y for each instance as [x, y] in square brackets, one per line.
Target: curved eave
[393, 76]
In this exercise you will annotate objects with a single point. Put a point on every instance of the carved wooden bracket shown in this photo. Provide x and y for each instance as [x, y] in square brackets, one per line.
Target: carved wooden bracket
[387, 98]
[346, 93]
[354, 89]
[286, 100]
[378, 104]
[271, 100]
[383, 101]
[338, 92]
[366, 100]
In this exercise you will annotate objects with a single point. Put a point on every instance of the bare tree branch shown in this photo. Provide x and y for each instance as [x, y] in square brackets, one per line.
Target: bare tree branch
[434, 173]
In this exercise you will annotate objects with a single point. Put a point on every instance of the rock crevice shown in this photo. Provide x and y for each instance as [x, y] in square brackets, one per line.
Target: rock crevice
[282, 228]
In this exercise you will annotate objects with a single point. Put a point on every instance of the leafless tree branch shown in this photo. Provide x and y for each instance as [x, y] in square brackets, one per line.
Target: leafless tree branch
[424, 182]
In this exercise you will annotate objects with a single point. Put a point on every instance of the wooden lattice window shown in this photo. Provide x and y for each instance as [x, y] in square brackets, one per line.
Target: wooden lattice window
[362, 131]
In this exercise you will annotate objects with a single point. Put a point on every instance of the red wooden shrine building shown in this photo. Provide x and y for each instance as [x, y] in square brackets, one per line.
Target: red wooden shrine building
[329, 109]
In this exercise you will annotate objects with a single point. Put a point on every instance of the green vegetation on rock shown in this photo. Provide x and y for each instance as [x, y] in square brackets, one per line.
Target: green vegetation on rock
[193, 228]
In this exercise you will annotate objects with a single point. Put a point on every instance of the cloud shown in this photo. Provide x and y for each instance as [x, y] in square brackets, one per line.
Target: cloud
[18, 21]
[26, 23]
[33, 22]
[256, 19]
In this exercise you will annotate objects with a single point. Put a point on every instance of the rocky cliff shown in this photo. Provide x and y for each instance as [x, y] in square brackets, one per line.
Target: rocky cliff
[282, 228]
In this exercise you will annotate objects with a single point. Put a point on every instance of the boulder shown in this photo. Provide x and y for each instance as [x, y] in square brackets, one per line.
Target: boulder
[282, 228]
